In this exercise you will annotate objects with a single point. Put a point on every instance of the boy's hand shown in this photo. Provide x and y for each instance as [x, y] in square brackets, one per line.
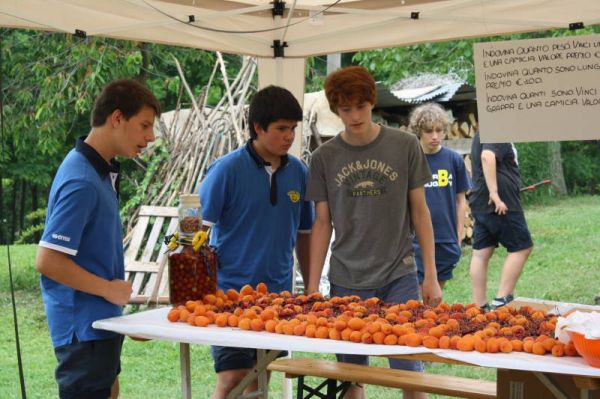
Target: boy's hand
[311, 288]
[432, 293]
[499, 205]
[118, 292]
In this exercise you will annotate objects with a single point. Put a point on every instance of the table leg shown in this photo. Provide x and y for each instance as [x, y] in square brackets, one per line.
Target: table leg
[263, 381]
[552, 387]
[263, 358]
[184, 359]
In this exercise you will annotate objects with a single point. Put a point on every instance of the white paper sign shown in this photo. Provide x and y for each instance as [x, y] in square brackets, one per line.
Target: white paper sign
[538, 89]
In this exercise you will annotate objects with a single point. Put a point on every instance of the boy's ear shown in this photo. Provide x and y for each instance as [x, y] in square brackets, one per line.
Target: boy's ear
[258, 128]
[115, 118]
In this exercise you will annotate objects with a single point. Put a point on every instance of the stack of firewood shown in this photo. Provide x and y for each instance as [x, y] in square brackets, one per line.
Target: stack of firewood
[463, 129]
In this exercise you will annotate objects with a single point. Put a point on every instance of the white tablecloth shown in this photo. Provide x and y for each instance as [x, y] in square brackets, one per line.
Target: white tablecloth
[153, 324]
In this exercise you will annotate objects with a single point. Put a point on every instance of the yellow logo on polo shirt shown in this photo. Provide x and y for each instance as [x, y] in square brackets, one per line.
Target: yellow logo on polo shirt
[294, 196]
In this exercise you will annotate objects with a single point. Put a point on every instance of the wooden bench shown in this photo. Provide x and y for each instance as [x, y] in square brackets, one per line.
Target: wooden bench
[352, 373]
[145, 255]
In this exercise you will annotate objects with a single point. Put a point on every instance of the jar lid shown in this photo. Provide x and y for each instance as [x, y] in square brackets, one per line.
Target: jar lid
[189, 200]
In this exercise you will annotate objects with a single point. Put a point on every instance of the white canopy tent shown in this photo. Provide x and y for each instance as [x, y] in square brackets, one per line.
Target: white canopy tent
[282, 34]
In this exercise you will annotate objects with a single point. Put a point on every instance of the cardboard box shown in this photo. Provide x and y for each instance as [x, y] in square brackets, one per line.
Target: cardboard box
[514, 384]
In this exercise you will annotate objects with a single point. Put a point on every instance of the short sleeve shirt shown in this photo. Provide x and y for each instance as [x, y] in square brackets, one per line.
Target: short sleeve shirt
[367, 189]
[507, 176]
[448, 178]
[82, 222]
[255, 217]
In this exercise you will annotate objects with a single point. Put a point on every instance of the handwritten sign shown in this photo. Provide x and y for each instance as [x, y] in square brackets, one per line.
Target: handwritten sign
[538, 89]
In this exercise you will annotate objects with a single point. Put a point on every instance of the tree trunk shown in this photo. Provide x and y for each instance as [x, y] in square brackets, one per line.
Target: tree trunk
[13, 225]
[34, 206]
[143, 74]
[556, 169]
[3, 238]
[22, 207]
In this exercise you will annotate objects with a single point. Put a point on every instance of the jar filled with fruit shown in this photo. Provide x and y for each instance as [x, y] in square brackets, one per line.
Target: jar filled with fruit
[192, 263]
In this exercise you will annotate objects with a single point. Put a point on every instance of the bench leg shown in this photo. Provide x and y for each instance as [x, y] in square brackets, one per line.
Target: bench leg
[331, 389]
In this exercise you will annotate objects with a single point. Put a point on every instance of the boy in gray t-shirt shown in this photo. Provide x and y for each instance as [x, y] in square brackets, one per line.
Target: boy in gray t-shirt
[367, 183]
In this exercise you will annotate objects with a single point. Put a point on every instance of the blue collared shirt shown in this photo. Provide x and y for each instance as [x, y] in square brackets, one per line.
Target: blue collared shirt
[256, 216]
[83, 222]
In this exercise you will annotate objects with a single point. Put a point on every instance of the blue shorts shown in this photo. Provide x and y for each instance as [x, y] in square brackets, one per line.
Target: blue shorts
[510, 230]
[399, 291]
[447, 255]
[229, 358]
[88, 369]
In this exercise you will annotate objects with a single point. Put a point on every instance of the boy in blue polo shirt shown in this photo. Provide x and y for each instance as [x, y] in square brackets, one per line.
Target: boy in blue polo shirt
[445, 193]
[253, 198]
[80, 255]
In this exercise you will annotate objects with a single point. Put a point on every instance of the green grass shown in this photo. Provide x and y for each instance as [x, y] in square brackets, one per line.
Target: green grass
[23, 267]
[563, 267]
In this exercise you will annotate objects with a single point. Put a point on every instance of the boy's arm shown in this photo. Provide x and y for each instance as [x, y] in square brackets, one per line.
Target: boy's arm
[61, 268]
[303, 253]
[319, 243]
[488, 164]
[421, 219]
[461, 210]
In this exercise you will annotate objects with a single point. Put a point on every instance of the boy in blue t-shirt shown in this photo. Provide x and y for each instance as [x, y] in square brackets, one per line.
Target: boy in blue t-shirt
[445, 194]
[254, 200]
[80, 254]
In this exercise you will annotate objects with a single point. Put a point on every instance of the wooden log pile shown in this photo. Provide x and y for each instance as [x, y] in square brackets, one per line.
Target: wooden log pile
[463, 128]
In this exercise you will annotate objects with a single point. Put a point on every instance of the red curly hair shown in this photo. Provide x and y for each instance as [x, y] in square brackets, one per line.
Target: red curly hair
[353, 84]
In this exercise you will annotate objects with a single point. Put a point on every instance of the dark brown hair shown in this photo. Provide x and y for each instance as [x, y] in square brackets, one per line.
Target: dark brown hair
[126, 95]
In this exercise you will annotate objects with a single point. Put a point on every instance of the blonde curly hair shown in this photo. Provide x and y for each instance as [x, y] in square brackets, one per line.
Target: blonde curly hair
[426, 116]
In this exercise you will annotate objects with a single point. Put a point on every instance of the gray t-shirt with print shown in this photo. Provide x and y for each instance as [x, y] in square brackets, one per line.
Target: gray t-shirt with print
[367, 191]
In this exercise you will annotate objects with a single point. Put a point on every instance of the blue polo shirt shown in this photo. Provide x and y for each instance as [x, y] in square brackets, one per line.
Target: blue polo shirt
[83, 222]
[255, 217]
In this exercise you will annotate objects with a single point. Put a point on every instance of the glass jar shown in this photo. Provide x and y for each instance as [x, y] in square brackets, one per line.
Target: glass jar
[190, 216]
[192, 274]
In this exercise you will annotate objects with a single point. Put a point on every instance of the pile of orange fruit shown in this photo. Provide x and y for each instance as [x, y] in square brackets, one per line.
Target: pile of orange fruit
[457, 326]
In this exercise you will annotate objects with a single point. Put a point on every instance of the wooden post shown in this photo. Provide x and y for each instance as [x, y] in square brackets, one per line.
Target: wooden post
[186, 382]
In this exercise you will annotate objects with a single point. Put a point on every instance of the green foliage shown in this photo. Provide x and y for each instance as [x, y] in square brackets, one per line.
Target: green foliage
[36, 227]
[456, 56]
[49, 83]
[581, 163]
[314, 74]
[392, 65]
[534, 167]
[157, 158]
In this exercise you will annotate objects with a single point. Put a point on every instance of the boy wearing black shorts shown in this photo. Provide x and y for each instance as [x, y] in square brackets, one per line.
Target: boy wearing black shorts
[499, 219]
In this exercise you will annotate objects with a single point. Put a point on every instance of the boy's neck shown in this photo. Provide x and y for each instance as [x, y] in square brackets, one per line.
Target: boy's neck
[98, 139]
[361, 138]
[273, 159]
[430, 151]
